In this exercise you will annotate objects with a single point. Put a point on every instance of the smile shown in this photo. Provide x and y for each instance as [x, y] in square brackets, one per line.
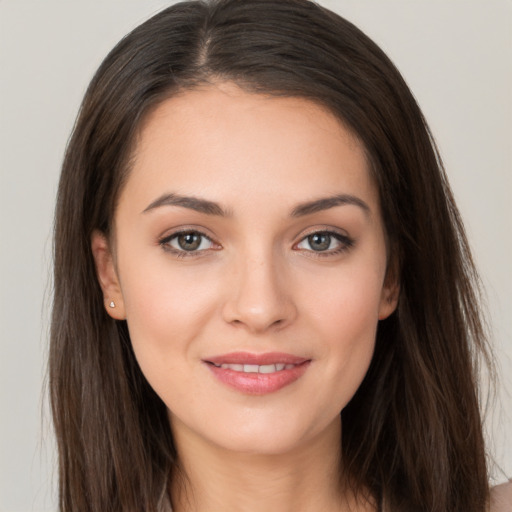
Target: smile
[254, 368]
[257, 374]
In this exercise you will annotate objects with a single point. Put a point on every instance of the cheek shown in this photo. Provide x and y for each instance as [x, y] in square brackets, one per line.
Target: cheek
[346, 301]
[166, 311]
[346, 319]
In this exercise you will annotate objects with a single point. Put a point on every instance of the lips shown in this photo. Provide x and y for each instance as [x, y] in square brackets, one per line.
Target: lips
[257, 373]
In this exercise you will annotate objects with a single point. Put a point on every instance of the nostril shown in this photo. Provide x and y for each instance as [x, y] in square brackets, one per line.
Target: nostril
[257, 311]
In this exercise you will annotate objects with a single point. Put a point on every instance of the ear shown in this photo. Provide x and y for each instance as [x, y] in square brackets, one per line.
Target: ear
[107, 276]
[390, 293]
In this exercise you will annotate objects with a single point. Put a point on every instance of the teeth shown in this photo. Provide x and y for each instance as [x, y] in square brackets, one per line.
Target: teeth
[267, 368]
[254, 368]
[236, 367]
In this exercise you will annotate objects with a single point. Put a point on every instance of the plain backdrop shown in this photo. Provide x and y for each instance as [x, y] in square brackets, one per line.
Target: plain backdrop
[456, 55]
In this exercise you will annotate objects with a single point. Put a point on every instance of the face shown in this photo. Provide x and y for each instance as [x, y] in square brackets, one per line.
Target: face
[249, 260]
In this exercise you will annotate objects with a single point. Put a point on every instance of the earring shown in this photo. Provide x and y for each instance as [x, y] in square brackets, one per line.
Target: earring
[112, 304]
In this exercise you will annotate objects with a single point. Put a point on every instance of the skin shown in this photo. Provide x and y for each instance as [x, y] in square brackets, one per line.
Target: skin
[256, 284]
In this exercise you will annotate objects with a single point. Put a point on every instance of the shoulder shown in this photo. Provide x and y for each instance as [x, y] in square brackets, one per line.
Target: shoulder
[501, 498]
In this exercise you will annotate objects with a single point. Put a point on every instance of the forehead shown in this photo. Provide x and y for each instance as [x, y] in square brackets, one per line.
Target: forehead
[224, 142]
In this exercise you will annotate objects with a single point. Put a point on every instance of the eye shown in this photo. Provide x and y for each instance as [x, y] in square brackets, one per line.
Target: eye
[187, 242]
[325, 242]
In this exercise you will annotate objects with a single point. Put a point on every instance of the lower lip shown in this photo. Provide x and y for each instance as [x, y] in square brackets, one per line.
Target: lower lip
[258, 383]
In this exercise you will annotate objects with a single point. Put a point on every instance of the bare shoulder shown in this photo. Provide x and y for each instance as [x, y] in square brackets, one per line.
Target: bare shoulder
[501, 498]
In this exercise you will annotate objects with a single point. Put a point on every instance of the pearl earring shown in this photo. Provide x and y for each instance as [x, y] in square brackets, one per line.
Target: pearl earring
[112, 304]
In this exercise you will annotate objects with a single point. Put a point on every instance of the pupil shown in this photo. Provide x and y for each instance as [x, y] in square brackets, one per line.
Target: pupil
[189, 241]
[319, 241]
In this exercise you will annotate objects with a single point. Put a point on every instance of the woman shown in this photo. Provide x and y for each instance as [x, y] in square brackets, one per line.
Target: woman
[250, 215]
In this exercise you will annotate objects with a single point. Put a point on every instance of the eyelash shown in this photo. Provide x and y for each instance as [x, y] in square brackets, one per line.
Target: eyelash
[182, 253]
[346, 243]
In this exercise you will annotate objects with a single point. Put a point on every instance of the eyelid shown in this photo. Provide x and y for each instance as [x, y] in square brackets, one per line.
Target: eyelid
[322, 229]
[346, 241]
[164, 240]
[342, 236]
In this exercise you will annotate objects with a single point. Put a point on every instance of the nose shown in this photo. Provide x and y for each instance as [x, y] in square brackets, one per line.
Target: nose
[260, 296]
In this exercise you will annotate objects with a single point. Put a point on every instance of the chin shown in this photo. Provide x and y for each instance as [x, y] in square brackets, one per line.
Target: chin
[271, 436]
[260, 443]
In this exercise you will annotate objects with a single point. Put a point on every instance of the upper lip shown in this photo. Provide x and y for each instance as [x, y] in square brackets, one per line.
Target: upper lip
[257, 359]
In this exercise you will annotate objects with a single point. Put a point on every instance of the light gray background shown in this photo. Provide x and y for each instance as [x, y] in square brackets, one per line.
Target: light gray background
[455, 54]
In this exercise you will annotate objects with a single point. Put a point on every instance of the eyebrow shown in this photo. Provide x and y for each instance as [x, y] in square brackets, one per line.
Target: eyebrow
[213, 208]
[193, 203]
[327, 203]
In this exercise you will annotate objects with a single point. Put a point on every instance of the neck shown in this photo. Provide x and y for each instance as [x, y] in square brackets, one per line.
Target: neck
[304, 480]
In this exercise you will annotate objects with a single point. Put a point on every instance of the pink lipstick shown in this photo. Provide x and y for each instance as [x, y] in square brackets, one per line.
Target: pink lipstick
[257, 374]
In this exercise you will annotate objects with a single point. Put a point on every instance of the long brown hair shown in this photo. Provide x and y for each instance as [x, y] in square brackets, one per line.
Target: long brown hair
[412, 434]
